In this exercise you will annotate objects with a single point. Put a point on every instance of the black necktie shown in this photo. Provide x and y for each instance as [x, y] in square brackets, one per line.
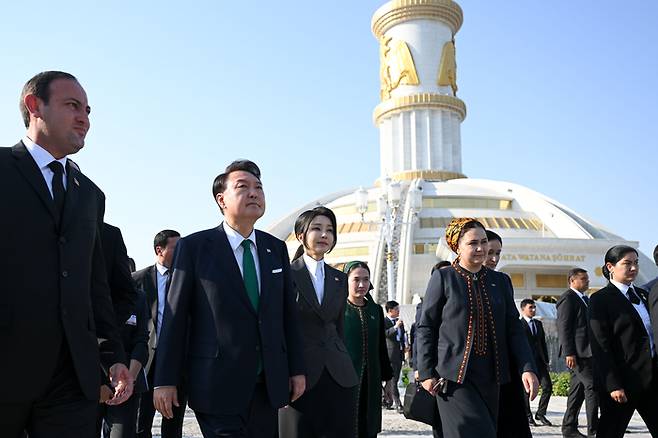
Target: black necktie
[533, 329]
[58, 187]
[586, 299]
[633, 296]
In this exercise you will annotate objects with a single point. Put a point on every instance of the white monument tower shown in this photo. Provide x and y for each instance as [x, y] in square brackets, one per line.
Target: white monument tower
[396, 226]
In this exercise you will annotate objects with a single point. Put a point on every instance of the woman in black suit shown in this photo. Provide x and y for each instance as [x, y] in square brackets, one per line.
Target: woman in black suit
[468, 325]
[326, 408]
[623, 347]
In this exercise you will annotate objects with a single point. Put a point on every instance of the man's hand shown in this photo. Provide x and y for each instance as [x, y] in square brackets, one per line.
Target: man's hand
[122, 382]
[398, 323]
[571, 362]
[619, 395]
[530, 383]
[297, 387]
[106, 394]
[163, 398]
[430, 385]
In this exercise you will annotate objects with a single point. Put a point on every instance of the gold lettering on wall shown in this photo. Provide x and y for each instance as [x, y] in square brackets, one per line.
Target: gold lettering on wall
[554, 258]
[396, 66]
[448, 67]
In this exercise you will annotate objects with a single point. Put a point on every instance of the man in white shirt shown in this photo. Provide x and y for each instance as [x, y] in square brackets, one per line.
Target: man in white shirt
[56, 314]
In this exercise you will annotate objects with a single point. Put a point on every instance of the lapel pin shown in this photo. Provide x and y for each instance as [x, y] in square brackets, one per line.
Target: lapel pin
[336, 278]
[268, 250]
[493, 284]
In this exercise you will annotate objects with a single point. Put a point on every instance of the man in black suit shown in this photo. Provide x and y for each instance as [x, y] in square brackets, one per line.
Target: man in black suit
[154, 281]
[231, 292]
[117, 266]
[56, 316]
[537, 339]
[395, 344]
[654, 281]
[573, 332]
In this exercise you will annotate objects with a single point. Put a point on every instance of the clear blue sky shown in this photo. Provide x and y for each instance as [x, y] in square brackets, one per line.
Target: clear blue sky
[561, 98]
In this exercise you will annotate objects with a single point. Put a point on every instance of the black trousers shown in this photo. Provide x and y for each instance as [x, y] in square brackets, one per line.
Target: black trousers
[469, 410]
[512, 416]
[258, 421]
[391, 390]
[582, 389]
[170, 428]
[119, 421]
[546, 391]
[616, 416]
[62, 411]
[324, 411]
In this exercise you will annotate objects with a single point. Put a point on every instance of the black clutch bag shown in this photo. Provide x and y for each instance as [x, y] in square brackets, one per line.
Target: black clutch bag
[420, 405]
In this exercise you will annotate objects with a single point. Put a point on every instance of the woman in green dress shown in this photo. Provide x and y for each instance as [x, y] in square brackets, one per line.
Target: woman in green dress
[364, 338]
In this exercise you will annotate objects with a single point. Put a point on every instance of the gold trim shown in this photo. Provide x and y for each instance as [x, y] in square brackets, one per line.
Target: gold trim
[398, 11]
[419, 101]
[427, 175]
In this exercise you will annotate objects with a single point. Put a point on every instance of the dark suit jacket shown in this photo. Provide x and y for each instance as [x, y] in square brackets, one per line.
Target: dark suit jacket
[122, 288]
[573, 326]
[146, 280]
[393, 346]
[620, 344]
[442, 332]
[54, 287]
[537, 342]
[226, 334]
[322, 325]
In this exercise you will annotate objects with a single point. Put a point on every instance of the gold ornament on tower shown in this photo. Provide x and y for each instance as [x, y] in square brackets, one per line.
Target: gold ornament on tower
[397, 66]
[448, 67]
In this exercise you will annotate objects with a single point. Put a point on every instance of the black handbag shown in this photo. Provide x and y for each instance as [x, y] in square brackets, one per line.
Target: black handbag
[420, 405]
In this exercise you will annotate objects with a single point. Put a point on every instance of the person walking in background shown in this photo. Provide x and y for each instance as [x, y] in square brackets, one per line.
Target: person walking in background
[467, 325]
[396, 345]
[154, 281]
[534, 330]
[573, 333]
[56, 314]
[326, 408]
[623, 348]
[231, 295]
[366, 345]
[512, 416]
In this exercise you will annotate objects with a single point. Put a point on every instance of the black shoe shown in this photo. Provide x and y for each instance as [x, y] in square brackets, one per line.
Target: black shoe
[531, 421]
[573, 434]
[399, 410]
[543, 420]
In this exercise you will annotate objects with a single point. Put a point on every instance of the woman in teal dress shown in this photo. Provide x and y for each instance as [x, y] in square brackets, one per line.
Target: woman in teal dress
[364, 338]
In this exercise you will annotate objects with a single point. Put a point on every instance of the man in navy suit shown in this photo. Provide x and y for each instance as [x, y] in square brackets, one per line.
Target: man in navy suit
[231, 296]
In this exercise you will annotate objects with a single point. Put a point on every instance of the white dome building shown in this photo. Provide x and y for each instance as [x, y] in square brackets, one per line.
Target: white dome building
[419, 119]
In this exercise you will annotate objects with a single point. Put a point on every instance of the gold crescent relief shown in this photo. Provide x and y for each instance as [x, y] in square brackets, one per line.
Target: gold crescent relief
[448, 67]
[396, 66]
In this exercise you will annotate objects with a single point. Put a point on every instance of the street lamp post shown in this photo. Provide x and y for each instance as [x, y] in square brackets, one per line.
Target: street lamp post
[388, 208]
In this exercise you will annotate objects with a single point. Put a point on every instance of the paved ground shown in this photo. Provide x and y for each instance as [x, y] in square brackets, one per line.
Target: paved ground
[396, 426]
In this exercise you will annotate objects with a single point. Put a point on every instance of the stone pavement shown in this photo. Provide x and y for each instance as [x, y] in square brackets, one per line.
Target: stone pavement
[396, 426]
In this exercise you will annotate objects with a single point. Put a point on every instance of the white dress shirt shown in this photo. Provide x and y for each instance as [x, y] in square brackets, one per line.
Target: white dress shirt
[640, 309]
[316, 269]
[162, 276]
[235, 240]
[43, 158]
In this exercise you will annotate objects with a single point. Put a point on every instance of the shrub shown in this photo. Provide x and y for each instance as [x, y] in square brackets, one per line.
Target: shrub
[561, 382]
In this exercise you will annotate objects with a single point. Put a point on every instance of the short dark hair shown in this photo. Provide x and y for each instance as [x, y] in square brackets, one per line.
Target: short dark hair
[527, 302]
[219, 184]
[303, 222]
[441, 264]
[575, 271]
[493, 236]
[390, 305]
[163, 237]
[655, 254]
[613, 255]
[39, 86]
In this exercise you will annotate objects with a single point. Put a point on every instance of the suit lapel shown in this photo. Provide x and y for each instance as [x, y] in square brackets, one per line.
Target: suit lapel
[331, 293]
[34, 177]
[626, 304]
[153, 291]
[265, 263]
[305, 284]
[223, 251]
[72, 195]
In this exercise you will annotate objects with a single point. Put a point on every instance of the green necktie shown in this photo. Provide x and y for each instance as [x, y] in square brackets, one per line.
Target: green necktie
[249, 274]
[251, 285]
